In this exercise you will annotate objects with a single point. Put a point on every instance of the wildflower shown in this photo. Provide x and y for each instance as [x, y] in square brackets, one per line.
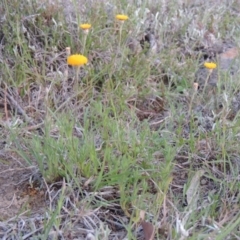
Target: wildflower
[210, 65]
[77, 60]
[121, 17]
[68, 51]
[85, 26]
[195, 86]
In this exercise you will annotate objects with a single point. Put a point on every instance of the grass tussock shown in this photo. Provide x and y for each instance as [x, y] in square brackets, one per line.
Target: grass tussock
[124, 117]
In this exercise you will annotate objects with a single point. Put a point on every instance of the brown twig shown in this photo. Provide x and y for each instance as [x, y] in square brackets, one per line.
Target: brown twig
[15, 105]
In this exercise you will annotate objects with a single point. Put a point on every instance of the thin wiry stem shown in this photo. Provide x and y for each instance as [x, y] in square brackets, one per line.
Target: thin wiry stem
[206, 81]
[120, 34]
[77, 79]
[84, 43]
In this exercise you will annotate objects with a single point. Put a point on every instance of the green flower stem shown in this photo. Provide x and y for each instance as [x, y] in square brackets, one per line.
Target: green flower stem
[207, 79]
[120, 34]
[84, 43]
[77, 79]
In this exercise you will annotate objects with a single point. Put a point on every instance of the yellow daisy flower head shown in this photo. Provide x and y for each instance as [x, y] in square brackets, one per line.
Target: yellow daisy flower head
[85, 26]
[77, 60]
[121, 17]
[210, 65]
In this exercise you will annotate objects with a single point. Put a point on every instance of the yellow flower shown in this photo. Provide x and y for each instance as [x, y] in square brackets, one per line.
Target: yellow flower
[121, 17]
[85, 26]
[76, 60]
[210, 65]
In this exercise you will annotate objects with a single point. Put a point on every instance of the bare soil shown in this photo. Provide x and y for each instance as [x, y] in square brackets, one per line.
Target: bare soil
[18, 194]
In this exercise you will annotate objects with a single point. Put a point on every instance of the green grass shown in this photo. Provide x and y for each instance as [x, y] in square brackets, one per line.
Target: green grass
[132, 134]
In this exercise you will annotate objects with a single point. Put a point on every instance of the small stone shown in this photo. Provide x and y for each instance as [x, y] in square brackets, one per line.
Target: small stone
[203, 181]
